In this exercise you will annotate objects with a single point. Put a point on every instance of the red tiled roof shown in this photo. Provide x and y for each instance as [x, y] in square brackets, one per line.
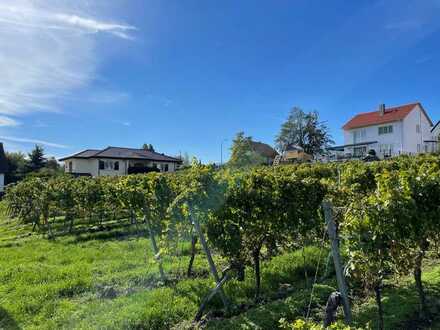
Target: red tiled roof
[374, 117]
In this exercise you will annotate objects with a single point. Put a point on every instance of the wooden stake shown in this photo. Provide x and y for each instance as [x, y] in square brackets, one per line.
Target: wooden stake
[342, 285]
[212, 266]
[155, 249]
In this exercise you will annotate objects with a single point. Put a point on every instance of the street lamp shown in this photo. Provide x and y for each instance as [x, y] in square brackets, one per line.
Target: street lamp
[221, 151]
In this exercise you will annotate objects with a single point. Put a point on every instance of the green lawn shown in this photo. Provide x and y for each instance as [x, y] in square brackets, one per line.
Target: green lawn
[108, 279]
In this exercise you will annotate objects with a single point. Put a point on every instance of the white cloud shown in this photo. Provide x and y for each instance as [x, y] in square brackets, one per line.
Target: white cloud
[7, 121]
[49, 48]
[33, 141]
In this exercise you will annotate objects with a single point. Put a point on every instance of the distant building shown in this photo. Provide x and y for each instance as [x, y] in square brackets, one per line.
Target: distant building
[265, 151]
[294, 153]
[113, 161]
[405, 129]
[3, 168]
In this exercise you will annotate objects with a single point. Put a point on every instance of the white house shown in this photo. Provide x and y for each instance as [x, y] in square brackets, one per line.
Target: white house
[435, 131]
[405, 129]
[118, 161]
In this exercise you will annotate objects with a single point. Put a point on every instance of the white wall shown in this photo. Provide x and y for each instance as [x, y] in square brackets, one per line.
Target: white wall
[411, 137]
[123, 165]
[91, 166]
[371, 134]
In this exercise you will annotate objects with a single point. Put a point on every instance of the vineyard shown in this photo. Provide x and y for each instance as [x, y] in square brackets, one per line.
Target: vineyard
[223, 249]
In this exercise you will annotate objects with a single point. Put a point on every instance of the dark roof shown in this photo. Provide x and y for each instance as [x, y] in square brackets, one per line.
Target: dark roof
[433, 127]
[4, 167]
[264, 149]
[294, 147]
[123, 153]
[390, 115]
[84, 154]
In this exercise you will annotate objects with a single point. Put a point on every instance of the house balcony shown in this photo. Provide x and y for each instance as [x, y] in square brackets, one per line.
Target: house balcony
[354, 151]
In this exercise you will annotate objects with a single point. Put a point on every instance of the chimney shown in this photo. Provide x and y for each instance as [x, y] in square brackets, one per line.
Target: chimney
[381, 109]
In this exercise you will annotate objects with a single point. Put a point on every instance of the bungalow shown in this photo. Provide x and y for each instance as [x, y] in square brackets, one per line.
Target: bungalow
[118, 161]
[405, 129]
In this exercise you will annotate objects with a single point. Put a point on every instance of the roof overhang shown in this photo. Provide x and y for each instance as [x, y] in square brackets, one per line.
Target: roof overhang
[435, 126]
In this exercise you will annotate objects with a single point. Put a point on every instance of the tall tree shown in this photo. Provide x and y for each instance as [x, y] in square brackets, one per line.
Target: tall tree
[17, 166]
[242, 152]
[52, 164]
[36, 158]
[304, 130]
[186, 159]
[148, 146]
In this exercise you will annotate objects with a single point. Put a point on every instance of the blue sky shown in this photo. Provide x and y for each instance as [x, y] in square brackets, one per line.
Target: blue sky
[185, 75]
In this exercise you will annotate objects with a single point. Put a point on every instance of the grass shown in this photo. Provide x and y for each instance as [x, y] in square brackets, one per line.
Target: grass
[65, 283]
[107, 279]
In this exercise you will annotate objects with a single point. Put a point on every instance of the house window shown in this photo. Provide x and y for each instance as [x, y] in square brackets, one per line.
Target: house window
[101, 165]
[116, 166]
[418, 147]
[356, 136]
[363, 133]
[426, 148]
[70, 167]
[417, 128]
[385, 129]
[166, 168]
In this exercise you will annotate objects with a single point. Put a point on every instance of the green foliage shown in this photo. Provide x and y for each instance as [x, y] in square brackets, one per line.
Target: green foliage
[148, 146]
[301, 324]
[36, 158]
[16, 167]
[304, 130]
[243, 154]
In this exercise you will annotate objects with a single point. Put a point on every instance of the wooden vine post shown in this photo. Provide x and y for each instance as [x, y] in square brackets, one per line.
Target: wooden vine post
[342, 285]
[155, 249]
[211, 263]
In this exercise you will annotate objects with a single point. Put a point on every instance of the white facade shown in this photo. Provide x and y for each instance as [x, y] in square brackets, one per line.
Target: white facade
[111, 167]
[407, 136]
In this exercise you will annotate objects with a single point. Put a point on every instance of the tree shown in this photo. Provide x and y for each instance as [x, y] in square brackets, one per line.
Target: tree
[242, 153]
[17, 166]
[186, 159]
[304, 130]
[148, 147]
[36, 158]
[52, 164]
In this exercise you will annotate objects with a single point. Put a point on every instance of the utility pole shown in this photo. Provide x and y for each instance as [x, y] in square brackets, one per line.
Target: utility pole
[342, 285]
[221, 151]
